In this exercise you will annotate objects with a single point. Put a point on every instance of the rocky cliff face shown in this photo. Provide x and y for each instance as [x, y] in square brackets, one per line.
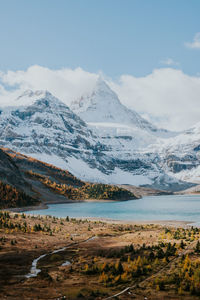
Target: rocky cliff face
[44, 125]
[48, 129]
[180, 156]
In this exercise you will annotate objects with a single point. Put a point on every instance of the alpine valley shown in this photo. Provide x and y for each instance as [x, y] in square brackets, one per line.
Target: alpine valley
[100, 140]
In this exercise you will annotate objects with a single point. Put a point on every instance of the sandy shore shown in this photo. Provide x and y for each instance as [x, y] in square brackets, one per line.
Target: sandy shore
[164, 223]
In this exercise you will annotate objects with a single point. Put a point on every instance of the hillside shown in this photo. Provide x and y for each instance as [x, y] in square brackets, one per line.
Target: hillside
[9, 172]
[36, 181]
[14, 189]
[11, 197]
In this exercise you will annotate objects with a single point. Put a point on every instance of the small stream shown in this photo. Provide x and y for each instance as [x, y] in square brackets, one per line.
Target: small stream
[67, 263]
[34, 271]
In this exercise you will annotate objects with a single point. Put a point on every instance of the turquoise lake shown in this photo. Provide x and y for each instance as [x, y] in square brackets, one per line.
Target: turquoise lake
[170, 207]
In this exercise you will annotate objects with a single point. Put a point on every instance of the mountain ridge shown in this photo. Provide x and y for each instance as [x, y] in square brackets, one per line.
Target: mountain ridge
[114, 153]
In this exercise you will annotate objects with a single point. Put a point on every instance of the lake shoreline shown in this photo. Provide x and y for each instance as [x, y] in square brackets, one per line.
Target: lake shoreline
[170, 223]
[44, 205]
[165, 222]
[139, 192]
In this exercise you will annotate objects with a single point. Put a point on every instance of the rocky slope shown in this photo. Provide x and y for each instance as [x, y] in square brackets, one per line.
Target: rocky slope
[26, 181]
[9, 172]
[180, 155]
[47, 129]
[15, 190]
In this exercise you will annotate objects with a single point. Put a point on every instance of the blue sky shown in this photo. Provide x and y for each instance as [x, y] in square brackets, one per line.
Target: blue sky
[114, 36]
[147, 50]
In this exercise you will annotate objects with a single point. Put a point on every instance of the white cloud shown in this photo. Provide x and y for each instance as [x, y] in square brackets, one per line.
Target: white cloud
[66, 84]
[169, 62]
[195, 44]
[167, 96]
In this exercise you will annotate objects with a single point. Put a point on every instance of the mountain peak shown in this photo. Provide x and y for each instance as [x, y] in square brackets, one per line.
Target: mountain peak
[31, 93]
[102, 87]
[38, 94]
[29, 97]
[104, 106]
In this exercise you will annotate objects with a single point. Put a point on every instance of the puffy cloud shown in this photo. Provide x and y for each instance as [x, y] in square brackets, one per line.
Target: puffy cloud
[66, 84]
[195, 44]
[167, 97]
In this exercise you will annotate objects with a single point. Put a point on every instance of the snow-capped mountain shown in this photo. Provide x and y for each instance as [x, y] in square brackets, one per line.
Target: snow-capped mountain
[47, 129]
[104, 106]
[124, 131]
[180, 155]
[42, 126]
[129, 138]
